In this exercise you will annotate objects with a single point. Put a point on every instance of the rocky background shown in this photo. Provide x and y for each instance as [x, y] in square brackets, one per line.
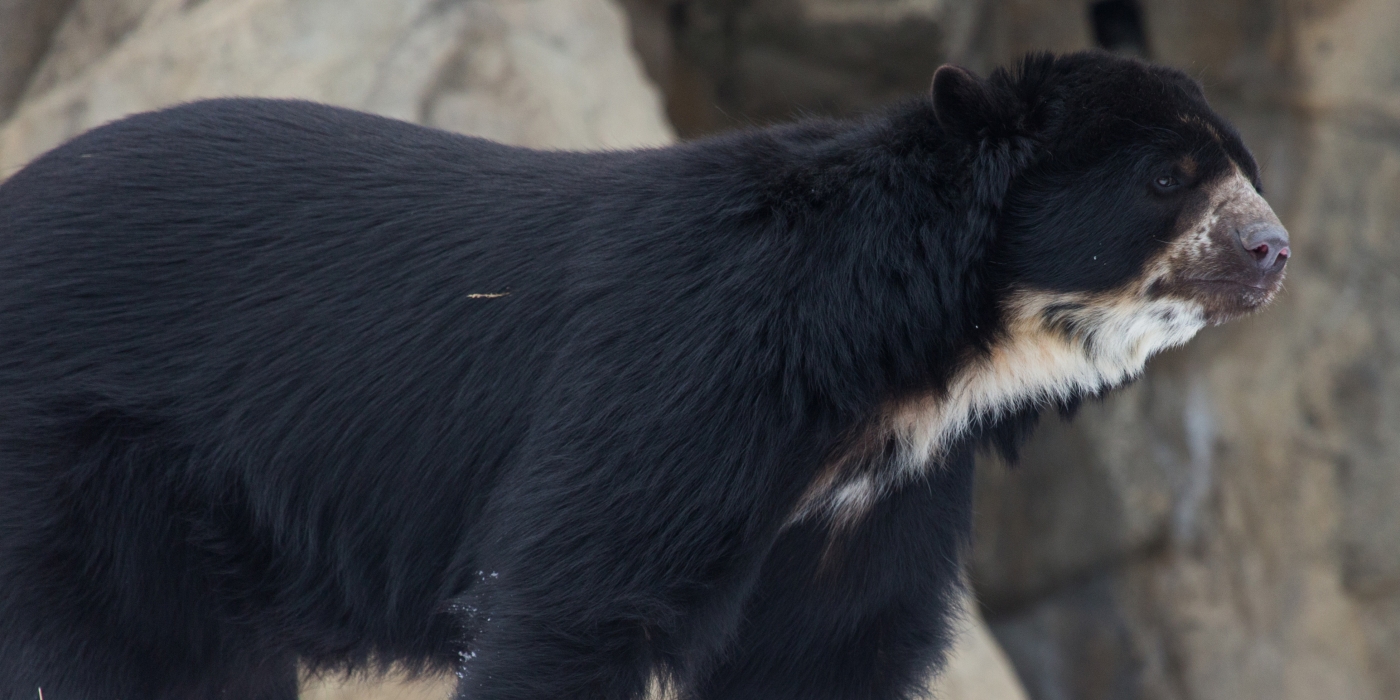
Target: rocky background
[1228, 528]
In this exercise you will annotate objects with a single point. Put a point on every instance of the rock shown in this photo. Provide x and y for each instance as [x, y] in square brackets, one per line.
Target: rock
[25, 30]
[724, 64]
[1084, 495]
[90, 29]
[1075, 644]
[545, 73]
[977, 668]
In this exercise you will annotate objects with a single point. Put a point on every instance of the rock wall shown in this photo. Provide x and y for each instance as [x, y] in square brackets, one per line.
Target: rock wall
[1228, 527]
[26, 27]
[547, 73]
[730, 63]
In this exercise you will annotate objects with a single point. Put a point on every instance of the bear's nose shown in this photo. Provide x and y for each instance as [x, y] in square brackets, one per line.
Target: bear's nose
[1268, 245]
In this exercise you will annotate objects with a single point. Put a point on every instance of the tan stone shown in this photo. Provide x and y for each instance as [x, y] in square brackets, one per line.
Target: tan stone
[546, 73]
[26, 28]
[726, 64]
[977, 668]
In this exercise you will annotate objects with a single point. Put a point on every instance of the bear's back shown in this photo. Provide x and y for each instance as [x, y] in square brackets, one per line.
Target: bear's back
[311, 294]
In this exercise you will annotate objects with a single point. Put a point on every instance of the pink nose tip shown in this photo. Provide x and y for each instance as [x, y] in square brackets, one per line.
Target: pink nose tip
[1268, 245]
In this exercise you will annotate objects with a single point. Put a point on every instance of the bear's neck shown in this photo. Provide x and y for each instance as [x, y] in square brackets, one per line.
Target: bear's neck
[898, 218]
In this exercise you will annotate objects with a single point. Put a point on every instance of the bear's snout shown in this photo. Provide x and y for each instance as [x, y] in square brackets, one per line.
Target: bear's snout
[1251, 247]
[1267, 244]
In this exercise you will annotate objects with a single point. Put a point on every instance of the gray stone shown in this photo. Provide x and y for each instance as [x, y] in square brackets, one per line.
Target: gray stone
[546, 73]
[26, 29]
[1087, 494]
[1074, 644]
[724, 64]
[977, 668]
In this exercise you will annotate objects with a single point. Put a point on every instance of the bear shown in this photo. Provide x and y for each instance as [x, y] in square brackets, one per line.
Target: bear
[290, 388]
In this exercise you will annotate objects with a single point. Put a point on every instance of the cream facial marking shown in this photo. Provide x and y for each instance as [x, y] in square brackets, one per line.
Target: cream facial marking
[1207, 262]
[1233, 198]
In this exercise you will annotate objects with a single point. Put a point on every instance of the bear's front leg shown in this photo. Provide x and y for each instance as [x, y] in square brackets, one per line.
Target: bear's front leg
[855, 612]
[601, 566]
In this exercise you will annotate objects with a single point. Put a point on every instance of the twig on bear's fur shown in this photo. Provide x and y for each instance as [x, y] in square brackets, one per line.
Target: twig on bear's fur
[488, 296]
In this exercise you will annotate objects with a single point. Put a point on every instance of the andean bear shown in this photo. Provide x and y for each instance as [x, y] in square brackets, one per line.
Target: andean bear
[289, 386]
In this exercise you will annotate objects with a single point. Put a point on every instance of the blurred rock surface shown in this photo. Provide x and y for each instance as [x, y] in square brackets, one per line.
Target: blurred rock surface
[545, 73]
[26, 28]
[731, 63]
[977, 668]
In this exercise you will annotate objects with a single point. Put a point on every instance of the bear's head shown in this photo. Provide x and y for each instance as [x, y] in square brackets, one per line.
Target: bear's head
[1127, 217]
[1135, 188]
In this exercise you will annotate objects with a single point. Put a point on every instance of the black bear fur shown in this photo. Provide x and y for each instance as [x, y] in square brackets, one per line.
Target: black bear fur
[284, 385]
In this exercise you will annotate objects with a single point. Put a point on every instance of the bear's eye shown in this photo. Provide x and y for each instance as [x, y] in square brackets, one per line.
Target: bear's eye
[1167, 182]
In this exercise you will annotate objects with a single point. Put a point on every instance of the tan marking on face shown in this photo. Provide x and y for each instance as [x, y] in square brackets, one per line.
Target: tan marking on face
[1208, 249]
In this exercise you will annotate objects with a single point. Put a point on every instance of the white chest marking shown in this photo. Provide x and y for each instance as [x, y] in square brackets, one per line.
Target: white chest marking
[1056, 347]
[1106, 345]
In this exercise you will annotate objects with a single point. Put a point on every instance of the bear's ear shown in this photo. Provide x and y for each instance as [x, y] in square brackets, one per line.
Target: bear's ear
[962, 102]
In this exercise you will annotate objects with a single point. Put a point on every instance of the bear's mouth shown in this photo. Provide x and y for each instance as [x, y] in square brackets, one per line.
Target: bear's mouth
[1226, 284]
[1224, 300]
